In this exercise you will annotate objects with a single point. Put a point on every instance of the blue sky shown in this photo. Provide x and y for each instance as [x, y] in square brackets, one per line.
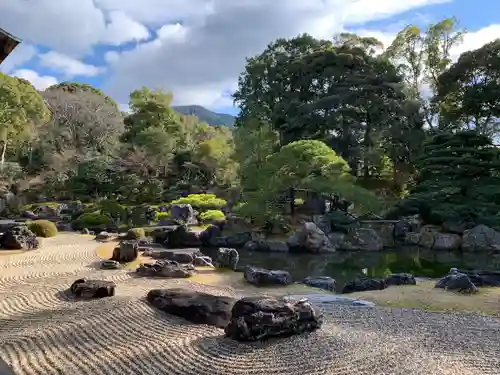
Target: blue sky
[196, 49]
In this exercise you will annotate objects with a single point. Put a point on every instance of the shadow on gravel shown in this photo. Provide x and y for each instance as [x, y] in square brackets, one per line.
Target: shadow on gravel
[65, 296]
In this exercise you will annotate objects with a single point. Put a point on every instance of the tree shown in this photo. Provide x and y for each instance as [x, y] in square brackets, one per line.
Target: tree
[458, 179]
[83, 119]
[21, 106]
[468, 91]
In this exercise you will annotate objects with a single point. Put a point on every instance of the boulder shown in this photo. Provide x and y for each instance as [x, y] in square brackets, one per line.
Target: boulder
[181, 237]
[202, 261]
[400, 279]
[227, 258]
[311, 239]
[127, 251]
[362, 239]
[19, 237]
[459, 282]
[85, 231]
[103, 236]
[364, 284]
[481, 238]
[321, 282]
[401, 229]
[195, 307]
[29, 215]
[209, 235]
[263, 277]
[446, 242]
[428, 236]
[260, 318]
[183, 213]
[169, 269]
[46, 212]
[84, 288]
[110, 265]
[482, 278]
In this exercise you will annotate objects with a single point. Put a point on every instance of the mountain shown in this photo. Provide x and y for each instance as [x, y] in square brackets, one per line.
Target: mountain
[211, 118]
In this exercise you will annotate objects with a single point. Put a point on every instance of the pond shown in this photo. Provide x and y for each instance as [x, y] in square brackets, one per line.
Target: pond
[344, 266]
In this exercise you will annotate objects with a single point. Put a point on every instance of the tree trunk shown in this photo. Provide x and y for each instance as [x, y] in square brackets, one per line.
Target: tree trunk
[3, 145]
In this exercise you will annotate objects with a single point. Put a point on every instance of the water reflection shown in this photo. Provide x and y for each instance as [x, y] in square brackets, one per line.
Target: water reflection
[344, 266]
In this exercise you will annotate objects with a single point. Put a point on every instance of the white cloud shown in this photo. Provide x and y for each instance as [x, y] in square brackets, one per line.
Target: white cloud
[477, 39]
[121, 29]
[200, 46]
[22, 54]
[68, 66]
[40, 82]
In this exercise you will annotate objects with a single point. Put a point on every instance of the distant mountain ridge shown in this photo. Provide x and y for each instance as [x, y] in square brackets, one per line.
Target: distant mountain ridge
[211, 118]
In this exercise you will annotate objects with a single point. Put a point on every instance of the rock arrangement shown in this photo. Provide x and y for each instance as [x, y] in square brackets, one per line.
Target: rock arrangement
[19, 237]
[263, 277]
[83, 288]
[126, 251]
[260, 318]
[227, 258]
[166, 268]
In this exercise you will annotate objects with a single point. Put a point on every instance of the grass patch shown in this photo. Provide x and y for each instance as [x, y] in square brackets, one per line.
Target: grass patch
[425, 297]
[105, 251]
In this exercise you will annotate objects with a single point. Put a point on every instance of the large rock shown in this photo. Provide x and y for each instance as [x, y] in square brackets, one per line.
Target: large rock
[482, 278]
[183, 213]
[168, 269]
[227, 258]
[481, 238]
[321, 282]
[260, 318]
[263, 277]
[84, 288]
[196, 307]
[127, 251]
[311, 239]
[19, 237]
[362, 239]
[446, 242]
[364, 284]
[182, 237]
[400, 279]
[457, 282]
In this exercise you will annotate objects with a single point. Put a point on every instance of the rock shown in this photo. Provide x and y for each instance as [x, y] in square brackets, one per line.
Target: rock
[84, 288]
[362, 239]
[327, 301]
[181, 237]
[481, 278]
[364, 284]
[85, 231]
[481, 238]
[321, 282]
[310, 238]
[428, 236]
[401, 229]
[103, 236]
[400, 279]
[202, 261]
[183, 213]
[195, 307]
[19, 237]
[384, 228]
[238, 240]
[262, 277]
[127, 251]
[277, 247]
[209, 235]
[110, 265]
[260, 318]
[170, 269]
[457, 282]
[29, 215]
[446, 242]
[46, 212]
[227, 258]
[412, 239]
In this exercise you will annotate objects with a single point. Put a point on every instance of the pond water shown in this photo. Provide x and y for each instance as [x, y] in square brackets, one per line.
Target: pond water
[344, 266]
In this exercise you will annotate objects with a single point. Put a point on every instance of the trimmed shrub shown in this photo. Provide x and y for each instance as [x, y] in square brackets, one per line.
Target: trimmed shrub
[202, 201]
[212, 216]
[135, 233]
[43, 228]
[112, 208]
[90, 220]
[162, 215]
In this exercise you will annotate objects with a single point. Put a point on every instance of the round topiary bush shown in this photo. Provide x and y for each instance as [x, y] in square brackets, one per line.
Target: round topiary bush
[43, 228]
[90, 220]
[135, 234]
[211, 216]
[202, 201]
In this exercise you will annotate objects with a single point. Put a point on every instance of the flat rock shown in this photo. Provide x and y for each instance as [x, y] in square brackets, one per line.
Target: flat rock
[328, 301]
[196, 307]
[87, 288]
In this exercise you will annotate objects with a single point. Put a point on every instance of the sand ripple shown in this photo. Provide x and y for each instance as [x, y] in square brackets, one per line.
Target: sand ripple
[45, 332]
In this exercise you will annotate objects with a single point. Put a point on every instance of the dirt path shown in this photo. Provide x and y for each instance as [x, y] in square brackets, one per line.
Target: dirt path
[44, 333]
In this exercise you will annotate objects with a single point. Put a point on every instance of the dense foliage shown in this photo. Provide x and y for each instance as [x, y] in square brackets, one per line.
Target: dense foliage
[43, 228]
[383, 127]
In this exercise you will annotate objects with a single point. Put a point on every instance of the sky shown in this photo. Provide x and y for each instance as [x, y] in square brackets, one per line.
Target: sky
[196, 49]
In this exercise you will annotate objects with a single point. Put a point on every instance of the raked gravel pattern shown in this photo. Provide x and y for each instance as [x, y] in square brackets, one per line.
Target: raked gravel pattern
[43, 332]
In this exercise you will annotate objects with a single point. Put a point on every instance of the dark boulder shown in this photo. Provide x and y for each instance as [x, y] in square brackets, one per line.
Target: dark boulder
[227, 258]
[260, 318]
[209, 236]
[182, 213]
[110, 265]
[458, 282]
[321, 282]
[195, 307]
[83, 288]
[483, 278]
[203, 261]
[168, 268]
[127, 251]
[19, 237]
[400, 279]
[263, 277]
[364, 284]
[181, 237]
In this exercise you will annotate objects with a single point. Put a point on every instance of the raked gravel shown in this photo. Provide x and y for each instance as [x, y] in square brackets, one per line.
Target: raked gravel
[43, 332]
